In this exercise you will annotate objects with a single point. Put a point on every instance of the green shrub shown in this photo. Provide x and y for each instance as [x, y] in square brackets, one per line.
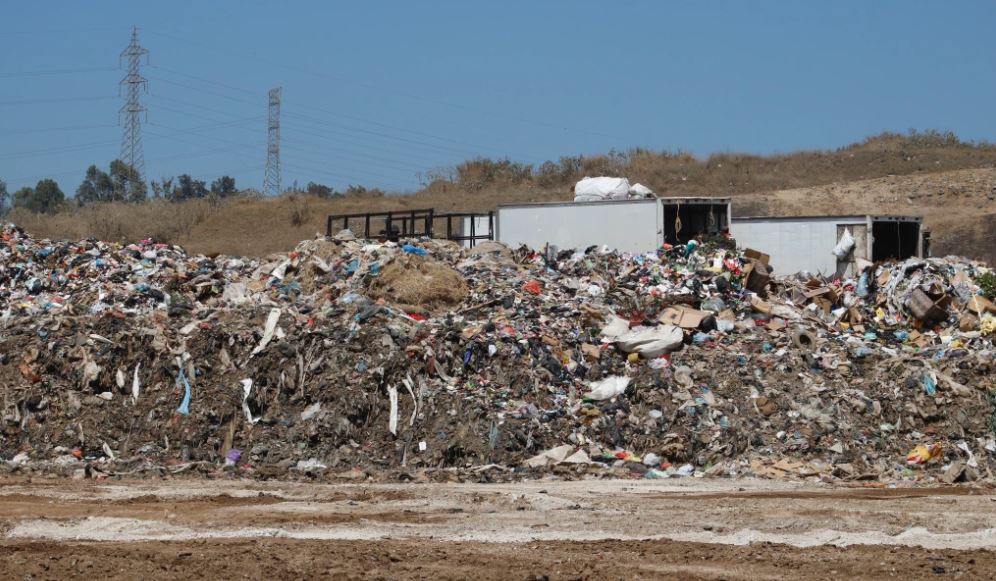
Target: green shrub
[987, 282]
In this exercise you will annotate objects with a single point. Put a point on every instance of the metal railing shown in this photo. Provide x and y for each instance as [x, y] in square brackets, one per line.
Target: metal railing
[395, 225]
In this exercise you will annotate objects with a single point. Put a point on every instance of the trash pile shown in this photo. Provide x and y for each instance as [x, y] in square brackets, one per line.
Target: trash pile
[351, 359]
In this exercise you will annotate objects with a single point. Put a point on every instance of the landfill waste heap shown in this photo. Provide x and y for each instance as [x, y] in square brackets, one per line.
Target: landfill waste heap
[423, 360]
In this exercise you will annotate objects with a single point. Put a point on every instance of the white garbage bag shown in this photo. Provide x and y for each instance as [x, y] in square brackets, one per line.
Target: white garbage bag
[607, 388]
[844, 245]
[650, 342]
[603, 188]
[640, 191]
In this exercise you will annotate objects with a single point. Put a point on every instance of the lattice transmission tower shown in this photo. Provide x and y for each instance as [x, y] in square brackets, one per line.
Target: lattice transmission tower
[134, 83]
[271, 178]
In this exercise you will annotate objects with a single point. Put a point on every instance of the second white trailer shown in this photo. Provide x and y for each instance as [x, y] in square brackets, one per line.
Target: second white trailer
[806, 243]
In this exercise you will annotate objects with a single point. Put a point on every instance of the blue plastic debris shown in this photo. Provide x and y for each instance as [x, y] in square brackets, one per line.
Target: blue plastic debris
[862, 290]
[185, 404]
[412, 249]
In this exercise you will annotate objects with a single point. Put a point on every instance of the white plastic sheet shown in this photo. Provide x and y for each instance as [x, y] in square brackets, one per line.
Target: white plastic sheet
[650, 342]
[392, 423]
[607, 388]
[602, 188]
[136, 387]
[271, 325]
[246, 390]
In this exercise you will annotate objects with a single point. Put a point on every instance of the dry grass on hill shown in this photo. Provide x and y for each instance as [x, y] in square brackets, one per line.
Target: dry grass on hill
[907, 174]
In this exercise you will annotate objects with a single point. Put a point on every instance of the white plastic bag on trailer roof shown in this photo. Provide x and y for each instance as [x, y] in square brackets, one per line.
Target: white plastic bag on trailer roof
[603, 188]
[641, 191]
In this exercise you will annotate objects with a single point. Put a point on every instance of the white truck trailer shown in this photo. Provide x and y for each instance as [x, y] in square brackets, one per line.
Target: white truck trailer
[806, 243]
[636, 226]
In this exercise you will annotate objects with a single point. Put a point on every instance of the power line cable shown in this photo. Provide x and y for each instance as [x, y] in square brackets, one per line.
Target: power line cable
[305, 148]
[387, 91]
[31, 31]
[78, 172]
[51, 72]
[212, 127]
[196, 116]
[214, 93]
[339, 140]
[366, 174]
[189, 76]
[383, 135]
[56, 129]
[56, 100]
[60, 149]
[331, 124]
[336, 175]
[78, 147]
[412, 168]
[326, 111]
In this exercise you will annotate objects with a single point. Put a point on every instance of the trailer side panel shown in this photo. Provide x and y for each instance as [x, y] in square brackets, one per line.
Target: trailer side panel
[628, 226]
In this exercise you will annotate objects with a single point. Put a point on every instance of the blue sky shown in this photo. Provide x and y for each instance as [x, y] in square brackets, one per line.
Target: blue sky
[376, 92]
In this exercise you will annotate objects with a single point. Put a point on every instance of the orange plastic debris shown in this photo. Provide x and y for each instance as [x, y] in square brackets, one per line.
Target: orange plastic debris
[532, 286]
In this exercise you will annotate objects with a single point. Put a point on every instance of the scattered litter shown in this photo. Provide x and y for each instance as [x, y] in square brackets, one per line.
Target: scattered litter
[692, 361]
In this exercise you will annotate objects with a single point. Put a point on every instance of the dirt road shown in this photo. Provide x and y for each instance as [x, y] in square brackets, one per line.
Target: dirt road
[692, 529]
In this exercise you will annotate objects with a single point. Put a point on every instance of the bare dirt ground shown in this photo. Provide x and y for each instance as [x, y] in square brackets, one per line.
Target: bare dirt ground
[690, 529]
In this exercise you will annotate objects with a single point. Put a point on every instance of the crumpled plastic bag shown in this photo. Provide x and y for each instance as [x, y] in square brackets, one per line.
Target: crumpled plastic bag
[651, 342]
[607, 388]
[845, 245]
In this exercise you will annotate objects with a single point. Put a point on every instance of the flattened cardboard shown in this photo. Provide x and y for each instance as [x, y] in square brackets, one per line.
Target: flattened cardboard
[684, 317]
[757, 255]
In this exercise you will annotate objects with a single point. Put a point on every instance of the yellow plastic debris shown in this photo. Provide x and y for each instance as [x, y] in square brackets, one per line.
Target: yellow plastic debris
[924, 453]
[988, 324]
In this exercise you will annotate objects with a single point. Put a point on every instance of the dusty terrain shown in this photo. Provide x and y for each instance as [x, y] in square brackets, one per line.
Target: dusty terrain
[959, 206]
[692, 529]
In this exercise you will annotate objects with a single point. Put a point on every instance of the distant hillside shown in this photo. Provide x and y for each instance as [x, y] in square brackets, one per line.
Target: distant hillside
[731, 173]
[931, 174]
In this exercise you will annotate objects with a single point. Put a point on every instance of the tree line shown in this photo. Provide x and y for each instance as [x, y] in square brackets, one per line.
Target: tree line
[121, 183]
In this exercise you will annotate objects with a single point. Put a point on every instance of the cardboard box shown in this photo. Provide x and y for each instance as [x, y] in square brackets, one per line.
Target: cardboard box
[760, 305]
[757, 255]
[927, 308]
[757, 278]
[683, 316]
